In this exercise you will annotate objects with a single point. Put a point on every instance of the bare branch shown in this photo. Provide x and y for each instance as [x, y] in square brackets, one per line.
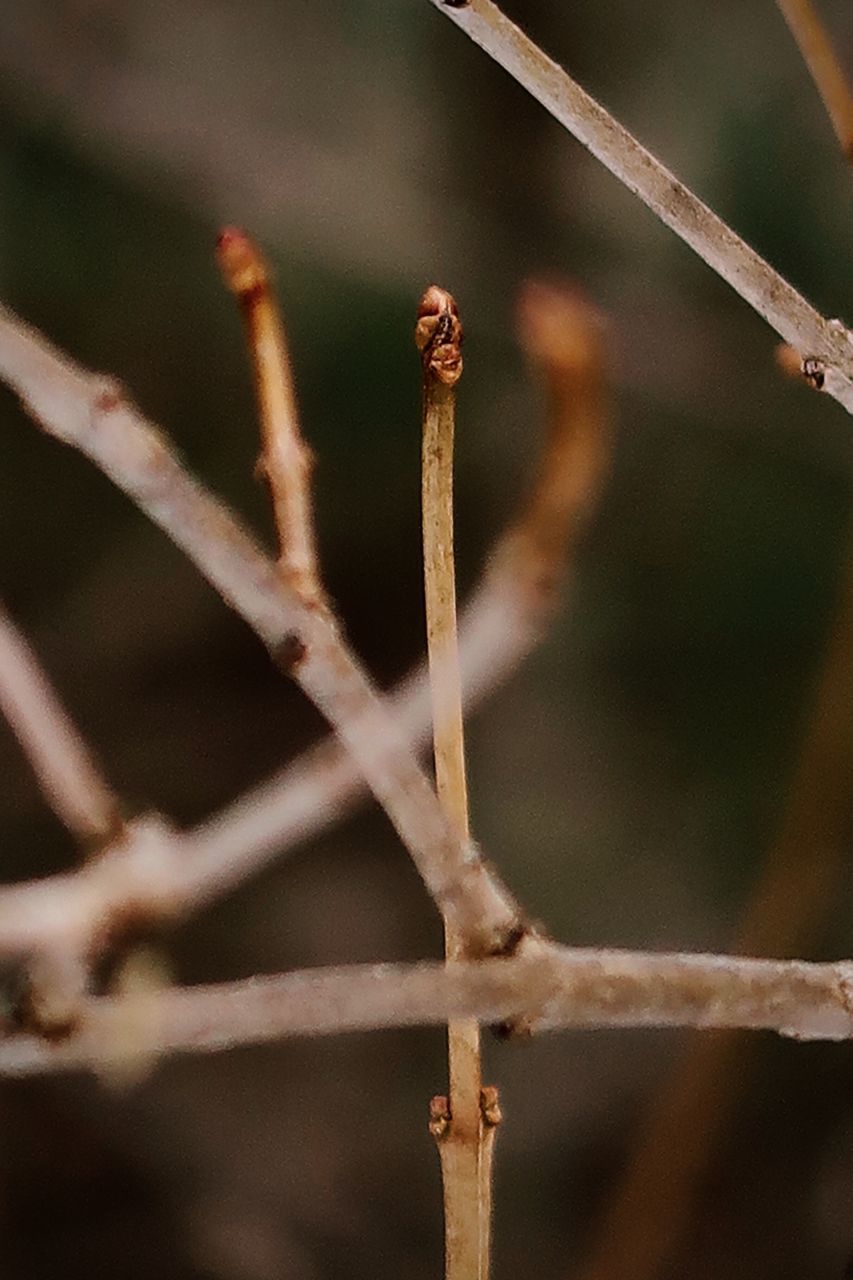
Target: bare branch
[819, 56]
[91, 414]
[439, 338]
[66, 772]
[285, 460]
[461, 1132]
[560, 987]
[749, 275]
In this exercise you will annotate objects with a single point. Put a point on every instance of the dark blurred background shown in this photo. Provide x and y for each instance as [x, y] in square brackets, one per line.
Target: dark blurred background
[631, 778]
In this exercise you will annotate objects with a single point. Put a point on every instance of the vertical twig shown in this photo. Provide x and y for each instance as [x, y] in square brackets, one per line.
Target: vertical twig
[819, 56]
[285, 460]
[459, 1122]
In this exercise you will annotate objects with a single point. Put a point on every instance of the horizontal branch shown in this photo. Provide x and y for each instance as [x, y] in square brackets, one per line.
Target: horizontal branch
[716, 243]
[554, 987]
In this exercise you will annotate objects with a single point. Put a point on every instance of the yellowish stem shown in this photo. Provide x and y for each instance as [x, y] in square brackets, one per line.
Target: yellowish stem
[464, 1131]
[285, 460]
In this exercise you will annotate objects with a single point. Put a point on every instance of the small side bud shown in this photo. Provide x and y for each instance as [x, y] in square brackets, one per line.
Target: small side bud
[490, 1106]
[439, 1117]
[794, 365]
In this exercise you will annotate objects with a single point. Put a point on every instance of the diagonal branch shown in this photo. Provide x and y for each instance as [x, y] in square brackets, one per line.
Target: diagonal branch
[716, 243]
[66, 772]
[559, 987]
[91, 413]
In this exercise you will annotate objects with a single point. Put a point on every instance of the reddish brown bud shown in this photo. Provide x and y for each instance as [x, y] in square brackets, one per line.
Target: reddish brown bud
[439, 1117]
[438, 335]
[241, 262]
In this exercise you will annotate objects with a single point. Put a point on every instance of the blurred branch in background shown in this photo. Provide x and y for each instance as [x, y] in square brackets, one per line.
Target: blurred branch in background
[826, 70]
[66, 771]
[647, 1223]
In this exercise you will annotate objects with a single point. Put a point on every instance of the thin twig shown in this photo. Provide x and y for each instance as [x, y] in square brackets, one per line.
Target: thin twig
[439, 339]
[749, 275]
[92, 414]
[560, 987]
[285, 460]
[819, 56]
[66, 772]
[461, 1132]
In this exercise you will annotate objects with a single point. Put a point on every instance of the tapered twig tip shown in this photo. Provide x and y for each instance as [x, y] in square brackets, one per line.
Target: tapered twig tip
[240, 261]
[438, 335]
[559, 328]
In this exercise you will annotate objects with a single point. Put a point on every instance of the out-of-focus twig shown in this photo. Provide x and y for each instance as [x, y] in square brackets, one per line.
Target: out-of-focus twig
[92, 414]
[819, 56]
[557, 987]
[286, 461]
[562, 335]
[66, 772]
[764, 289]
[653, 1204]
